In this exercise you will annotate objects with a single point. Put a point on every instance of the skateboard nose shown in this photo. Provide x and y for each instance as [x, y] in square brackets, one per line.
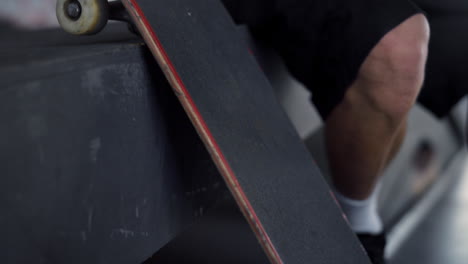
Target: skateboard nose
[73, 9]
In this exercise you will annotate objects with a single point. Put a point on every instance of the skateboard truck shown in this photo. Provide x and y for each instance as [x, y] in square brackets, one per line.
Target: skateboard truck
[88, 17]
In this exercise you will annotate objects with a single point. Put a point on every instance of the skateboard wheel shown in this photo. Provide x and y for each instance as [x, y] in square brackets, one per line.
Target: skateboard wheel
[82, 17]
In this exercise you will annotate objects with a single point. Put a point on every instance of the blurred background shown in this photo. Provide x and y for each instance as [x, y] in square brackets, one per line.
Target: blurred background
[69, 101]
[31, 14]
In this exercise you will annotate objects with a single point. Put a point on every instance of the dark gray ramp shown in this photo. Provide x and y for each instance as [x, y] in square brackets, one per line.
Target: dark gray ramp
[98, 162]
[220, 236]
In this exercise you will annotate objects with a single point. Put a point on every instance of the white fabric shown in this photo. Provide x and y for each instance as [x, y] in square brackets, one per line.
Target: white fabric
[362, 215]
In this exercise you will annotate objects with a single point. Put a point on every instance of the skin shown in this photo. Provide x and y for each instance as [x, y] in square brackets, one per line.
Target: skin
[365, 131]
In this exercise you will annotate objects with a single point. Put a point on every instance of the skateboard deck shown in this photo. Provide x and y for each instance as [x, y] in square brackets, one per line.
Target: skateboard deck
[264, 163]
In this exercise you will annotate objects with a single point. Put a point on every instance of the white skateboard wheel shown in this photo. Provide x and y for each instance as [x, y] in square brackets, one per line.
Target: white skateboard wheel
[82, 17]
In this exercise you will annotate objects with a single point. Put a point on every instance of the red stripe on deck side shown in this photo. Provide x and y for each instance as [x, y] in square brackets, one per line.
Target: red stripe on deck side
[229, 173]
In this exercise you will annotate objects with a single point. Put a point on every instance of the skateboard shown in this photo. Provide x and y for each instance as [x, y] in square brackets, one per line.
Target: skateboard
[233, 108]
